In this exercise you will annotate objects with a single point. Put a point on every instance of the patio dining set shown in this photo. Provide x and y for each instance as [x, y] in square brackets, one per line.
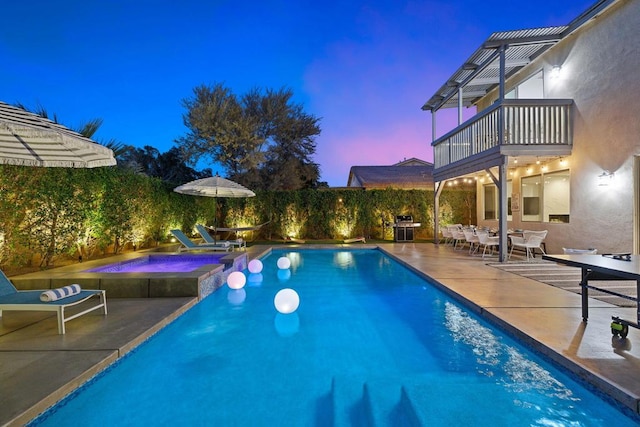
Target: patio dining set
[459, 236]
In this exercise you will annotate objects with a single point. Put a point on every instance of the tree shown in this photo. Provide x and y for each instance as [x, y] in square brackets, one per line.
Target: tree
[263, 139]
[169, 167]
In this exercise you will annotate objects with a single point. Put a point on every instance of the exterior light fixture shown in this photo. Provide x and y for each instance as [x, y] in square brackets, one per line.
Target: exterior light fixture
[555, 71]
[605, 178]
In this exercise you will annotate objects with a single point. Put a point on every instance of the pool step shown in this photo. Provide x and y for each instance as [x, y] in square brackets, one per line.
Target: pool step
[347, 402]
[359, 401]
[380, 402]
[431, 404]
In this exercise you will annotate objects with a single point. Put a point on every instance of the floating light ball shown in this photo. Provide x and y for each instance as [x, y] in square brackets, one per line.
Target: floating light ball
[236, 280]
[255, 266]
[284, 263]
[286, 301]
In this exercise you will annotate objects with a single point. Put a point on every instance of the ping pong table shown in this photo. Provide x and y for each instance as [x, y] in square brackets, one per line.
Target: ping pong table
[605, 267]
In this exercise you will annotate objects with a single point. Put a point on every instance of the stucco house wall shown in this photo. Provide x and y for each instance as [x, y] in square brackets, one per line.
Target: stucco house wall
[601, 73]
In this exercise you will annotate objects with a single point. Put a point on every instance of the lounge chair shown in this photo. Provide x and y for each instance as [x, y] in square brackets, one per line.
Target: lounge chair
[12, 299]
[237, 243]
[190, 245]
[355, 239]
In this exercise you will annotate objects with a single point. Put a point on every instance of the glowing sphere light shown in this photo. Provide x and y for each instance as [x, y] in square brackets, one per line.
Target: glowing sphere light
[284, 263]
[236, 280]
[255, 266]
[286, 301]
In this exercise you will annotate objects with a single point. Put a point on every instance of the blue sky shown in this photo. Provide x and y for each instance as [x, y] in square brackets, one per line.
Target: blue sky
[364, 67]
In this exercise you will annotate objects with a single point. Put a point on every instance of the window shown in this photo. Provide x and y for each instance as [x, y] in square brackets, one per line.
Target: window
[531, 198]
[509, 194]
[546, 197]
[556, 196]
[490, 192]
[532, 88]
[492, 201]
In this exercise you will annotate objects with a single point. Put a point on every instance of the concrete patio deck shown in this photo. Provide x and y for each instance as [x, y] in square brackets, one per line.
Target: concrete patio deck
[38, 367]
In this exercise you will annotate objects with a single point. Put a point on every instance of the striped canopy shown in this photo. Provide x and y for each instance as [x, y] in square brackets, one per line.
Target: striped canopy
[214, 187]
[27, 139]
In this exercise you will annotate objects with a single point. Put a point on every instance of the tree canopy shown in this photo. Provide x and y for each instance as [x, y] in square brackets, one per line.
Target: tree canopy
[263, 139]
[169, 166]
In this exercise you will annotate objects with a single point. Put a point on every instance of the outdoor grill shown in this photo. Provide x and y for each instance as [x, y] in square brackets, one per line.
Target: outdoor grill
[403, 228]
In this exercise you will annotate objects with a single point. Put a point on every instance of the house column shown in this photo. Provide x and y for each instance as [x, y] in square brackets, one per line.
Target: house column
[502, 169]
[502, 210]
[437, 188]
[460, 105]
[436, 211]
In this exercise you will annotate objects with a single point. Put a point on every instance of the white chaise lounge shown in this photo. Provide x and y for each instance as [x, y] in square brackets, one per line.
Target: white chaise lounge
[12, 299]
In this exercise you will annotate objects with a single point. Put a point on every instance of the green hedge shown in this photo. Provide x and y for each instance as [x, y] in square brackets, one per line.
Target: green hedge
[48, 213]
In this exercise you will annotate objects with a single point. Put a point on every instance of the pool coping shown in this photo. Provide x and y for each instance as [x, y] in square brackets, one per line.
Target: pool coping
[197, 283]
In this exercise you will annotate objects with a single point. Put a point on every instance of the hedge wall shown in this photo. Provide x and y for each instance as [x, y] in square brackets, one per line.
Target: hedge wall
[48, 213]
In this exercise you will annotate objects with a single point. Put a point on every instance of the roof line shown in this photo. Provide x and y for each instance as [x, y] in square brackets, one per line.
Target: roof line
[540, 39]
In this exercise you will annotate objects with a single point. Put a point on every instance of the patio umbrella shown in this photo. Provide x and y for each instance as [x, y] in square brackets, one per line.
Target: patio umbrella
[27, 139]
[214, 186]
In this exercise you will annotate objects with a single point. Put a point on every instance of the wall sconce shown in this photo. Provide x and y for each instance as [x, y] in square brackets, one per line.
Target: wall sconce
[555, 71]
[605, 178]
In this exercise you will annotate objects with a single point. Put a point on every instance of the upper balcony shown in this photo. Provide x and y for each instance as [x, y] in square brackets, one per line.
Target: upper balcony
[532, 127]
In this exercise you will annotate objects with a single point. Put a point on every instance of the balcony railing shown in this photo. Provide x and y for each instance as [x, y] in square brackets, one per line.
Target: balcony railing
[527, 122]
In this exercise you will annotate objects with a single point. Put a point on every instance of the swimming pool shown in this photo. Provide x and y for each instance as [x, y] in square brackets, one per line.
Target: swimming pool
[371, 342]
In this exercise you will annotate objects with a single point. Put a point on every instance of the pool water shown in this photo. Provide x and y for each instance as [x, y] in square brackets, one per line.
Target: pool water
[371, 343]
[160, 264]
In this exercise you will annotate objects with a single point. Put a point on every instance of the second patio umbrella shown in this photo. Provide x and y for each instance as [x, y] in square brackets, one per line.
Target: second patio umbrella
[214, 186]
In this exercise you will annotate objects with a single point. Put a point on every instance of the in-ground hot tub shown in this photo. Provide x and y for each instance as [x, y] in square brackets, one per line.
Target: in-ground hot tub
[148, 275]
[180, 263]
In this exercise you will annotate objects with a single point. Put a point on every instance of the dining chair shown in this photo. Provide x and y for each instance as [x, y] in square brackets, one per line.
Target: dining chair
[529, 242]
[458, 238]
[487, 241]
[472, 239]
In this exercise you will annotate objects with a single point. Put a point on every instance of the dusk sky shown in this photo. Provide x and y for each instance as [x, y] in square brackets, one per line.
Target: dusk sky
[364, 68]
